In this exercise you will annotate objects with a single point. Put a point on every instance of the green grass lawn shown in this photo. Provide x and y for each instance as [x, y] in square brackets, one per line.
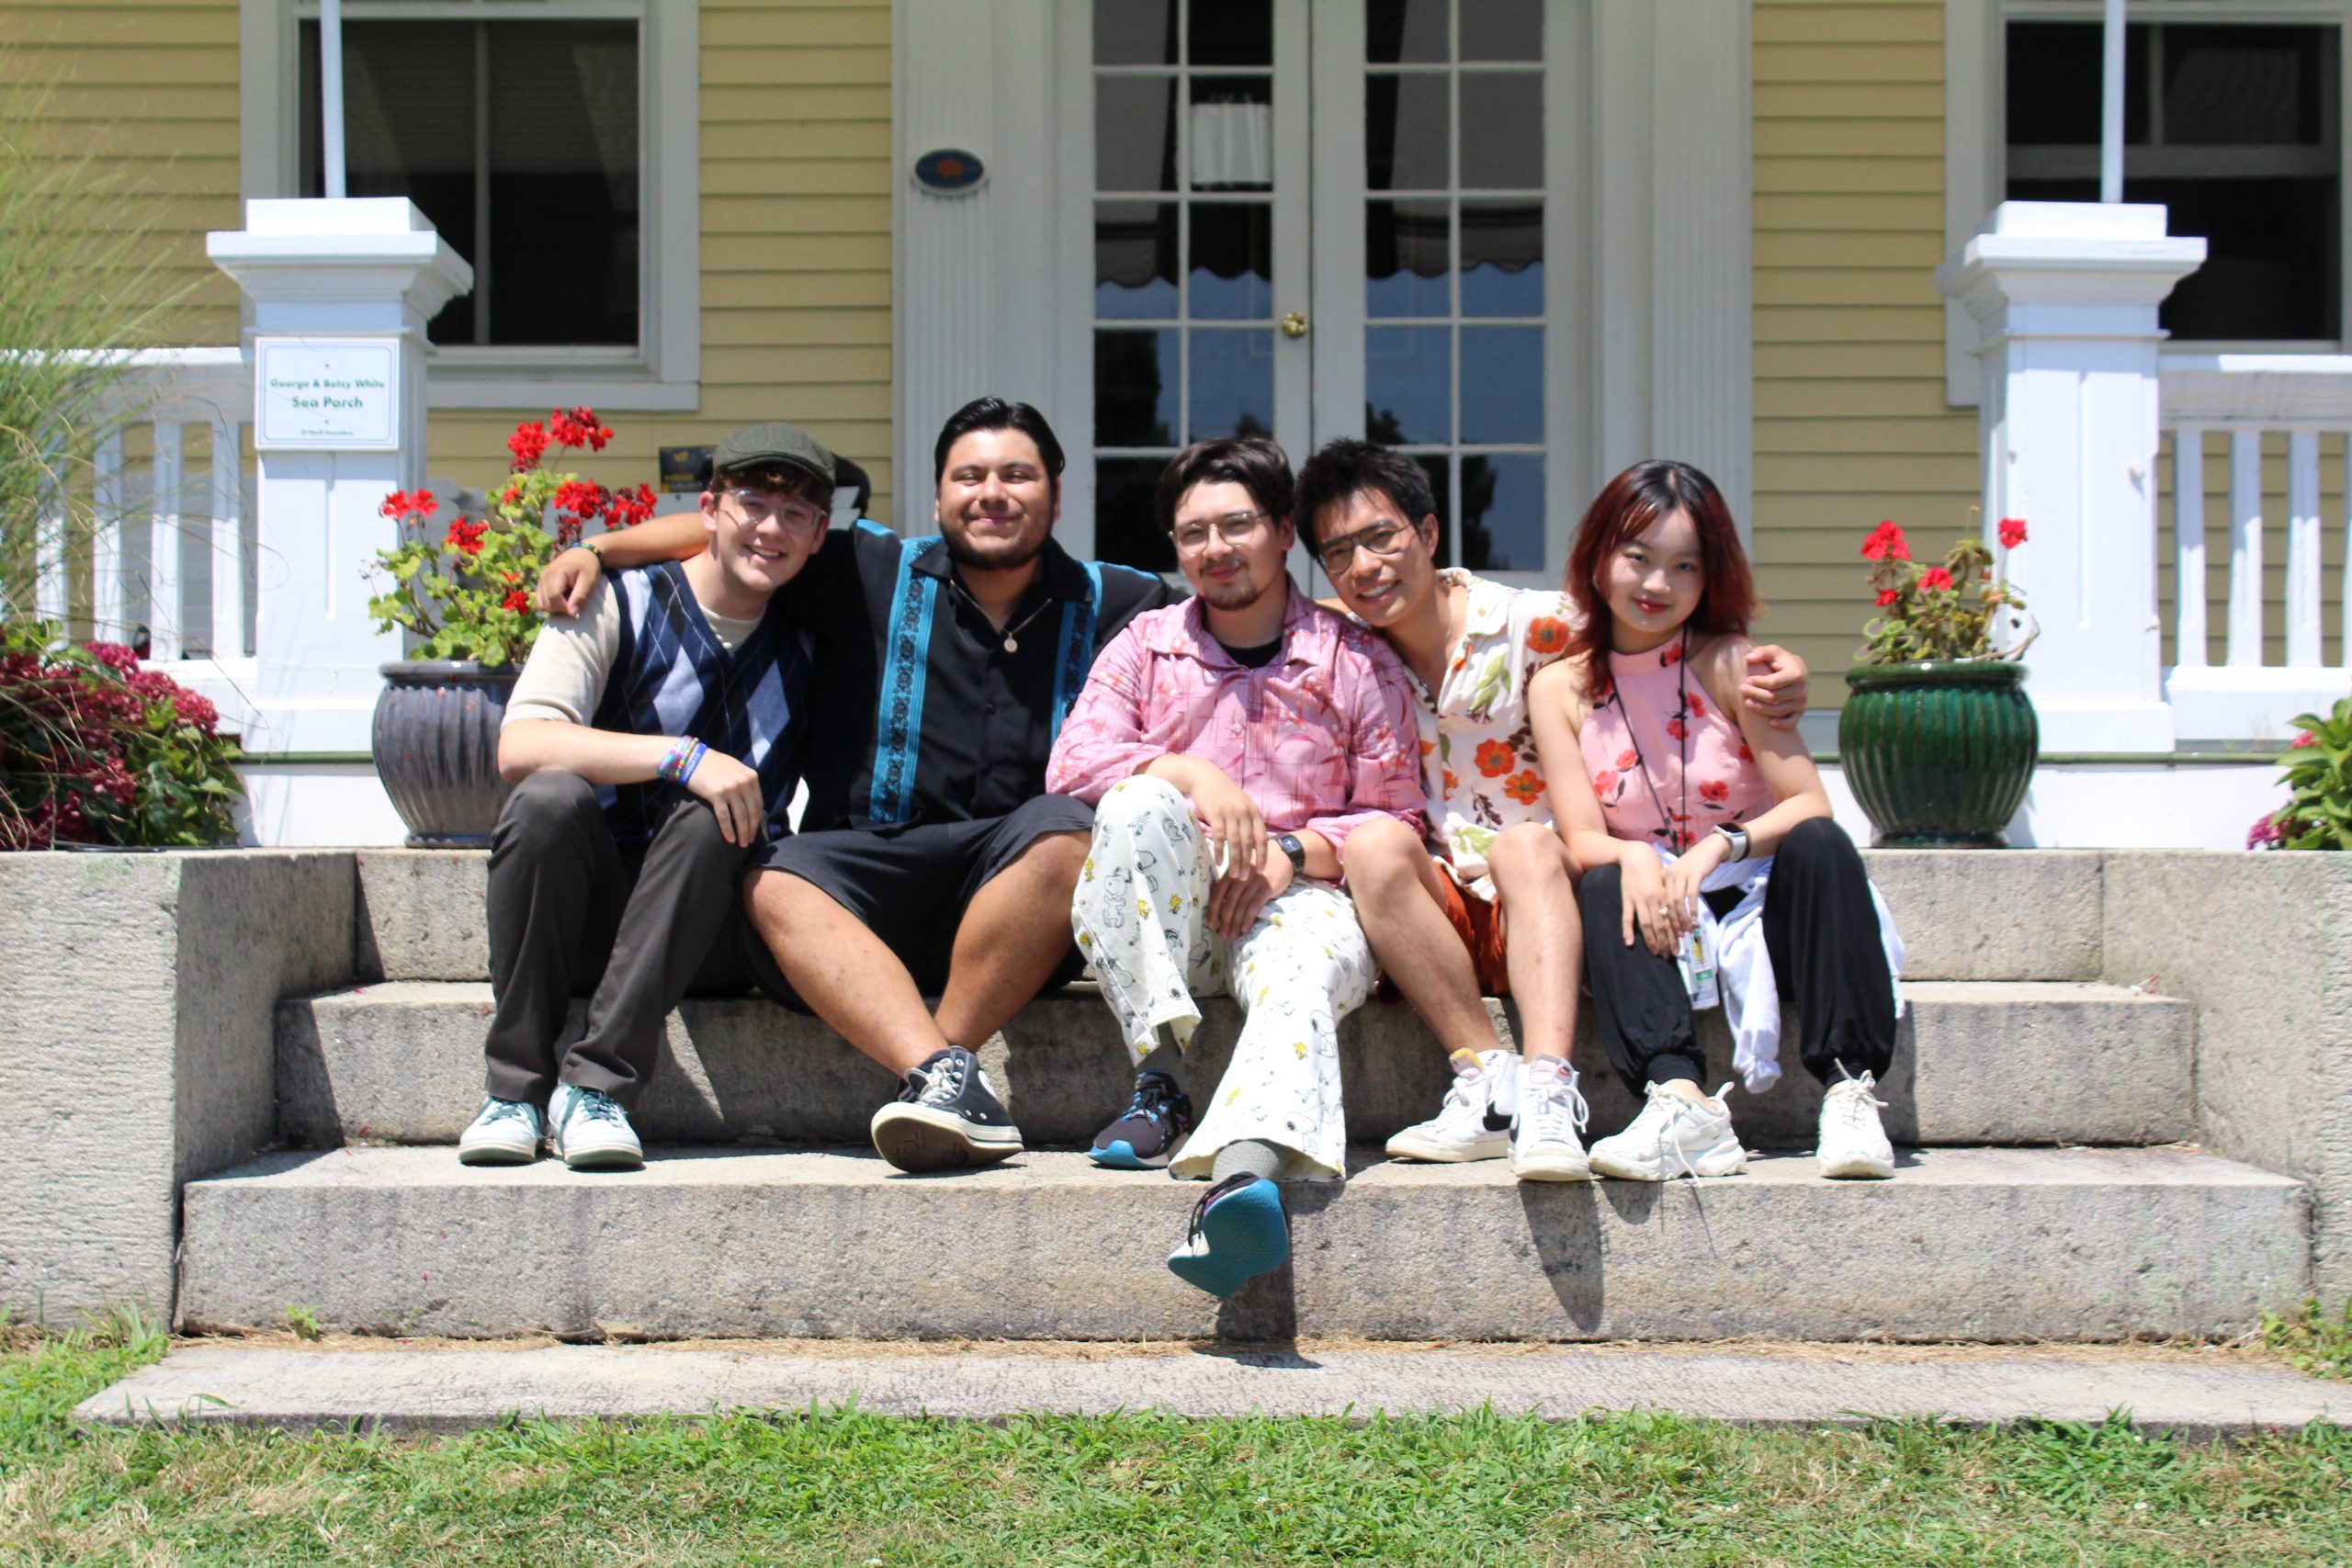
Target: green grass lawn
[857, 1490]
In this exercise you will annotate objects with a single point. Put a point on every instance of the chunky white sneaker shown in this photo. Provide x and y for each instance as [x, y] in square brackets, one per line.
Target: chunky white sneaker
[1546, 1141]
[1473, 1122]
[1671, 1137]
[504, 1132]
[1852, 1142]
[588, 1130]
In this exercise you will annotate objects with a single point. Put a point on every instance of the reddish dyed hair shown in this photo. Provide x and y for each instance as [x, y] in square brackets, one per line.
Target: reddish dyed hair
[1624, 510]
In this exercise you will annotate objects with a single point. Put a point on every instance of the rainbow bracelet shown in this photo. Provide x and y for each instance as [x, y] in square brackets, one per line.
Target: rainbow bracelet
[687, 774]
[678, 761]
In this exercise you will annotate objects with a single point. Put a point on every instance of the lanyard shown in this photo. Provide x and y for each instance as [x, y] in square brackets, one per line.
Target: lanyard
[1676, 834]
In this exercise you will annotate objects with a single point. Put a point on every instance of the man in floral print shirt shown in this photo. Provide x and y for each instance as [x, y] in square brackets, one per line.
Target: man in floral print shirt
[1437, 913]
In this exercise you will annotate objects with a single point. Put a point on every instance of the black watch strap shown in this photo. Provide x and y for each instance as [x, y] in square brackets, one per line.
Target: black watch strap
[1288, 843]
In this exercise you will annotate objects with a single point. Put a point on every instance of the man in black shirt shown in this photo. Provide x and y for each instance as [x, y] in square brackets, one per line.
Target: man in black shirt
[929, 856]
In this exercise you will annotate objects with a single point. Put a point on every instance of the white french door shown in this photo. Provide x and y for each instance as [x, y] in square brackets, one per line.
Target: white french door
[1311, 219]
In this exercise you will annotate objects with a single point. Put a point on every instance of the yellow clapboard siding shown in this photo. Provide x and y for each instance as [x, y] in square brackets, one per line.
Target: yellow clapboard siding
[1838, 64]
[1846, 285]
[751, 305]
[729, 104]
[1792, 362]
[1849, 324]
[1845, 138]
[1922, 212]
[769, 67]
[1812, 250]
[812, 28]
[1841, 175]
[791, 254]
[1851, 101]
[811, 215]
[792, 176]
[1849, 24]
[799, 138]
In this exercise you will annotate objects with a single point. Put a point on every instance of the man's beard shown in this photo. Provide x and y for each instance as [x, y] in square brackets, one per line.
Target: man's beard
[1238, 594]
[1006, 556]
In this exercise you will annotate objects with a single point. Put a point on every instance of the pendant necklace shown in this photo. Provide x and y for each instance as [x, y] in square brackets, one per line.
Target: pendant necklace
[1011, 638]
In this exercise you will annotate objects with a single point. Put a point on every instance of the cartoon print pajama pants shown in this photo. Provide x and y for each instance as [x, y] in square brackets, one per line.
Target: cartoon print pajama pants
[1140, 918]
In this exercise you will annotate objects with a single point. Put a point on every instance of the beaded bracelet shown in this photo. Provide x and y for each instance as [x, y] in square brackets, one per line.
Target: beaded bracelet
[677, 761]
[687, 774]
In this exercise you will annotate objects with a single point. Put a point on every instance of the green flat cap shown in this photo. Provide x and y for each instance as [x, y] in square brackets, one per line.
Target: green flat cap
[775, 442]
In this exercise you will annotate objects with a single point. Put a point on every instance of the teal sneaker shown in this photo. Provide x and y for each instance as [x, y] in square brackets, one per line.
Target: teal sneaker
[504, 1132]
[1239, 1231]
[588, 1130]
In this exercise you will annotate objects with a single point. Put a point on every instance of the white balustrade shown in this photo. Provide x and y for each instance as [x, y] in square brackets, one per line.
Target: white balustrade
[2248, 396]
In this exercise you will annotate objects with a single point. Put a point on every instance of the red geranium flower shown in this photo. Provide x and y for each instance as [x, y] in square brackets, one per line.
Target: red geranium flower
[530, 444]
[1495, 759]
[1546, 634]
[625, 509]
[579, 427]
[582, 498]
[2302, 738]
[1935, 579]
[466, 538]
[516, 601]
[1887, 596]
[2012, 533]
[1886, 543]
[1523, 787]
[408, 503]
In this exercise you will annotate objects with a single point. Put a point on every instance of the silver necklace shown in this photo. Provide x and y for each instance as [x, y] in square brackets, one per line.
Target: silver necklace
[1012, 639]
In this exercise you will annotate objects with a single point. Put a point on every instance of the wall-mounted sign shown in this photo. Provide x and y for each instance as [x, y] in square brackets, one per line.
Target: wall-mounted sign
[950, 171]
[684, 470]
[326, 394]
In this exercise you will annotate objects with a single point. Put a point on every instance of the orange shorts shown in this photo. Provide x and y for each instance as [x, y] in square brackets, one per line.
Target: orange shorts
[1479, 924]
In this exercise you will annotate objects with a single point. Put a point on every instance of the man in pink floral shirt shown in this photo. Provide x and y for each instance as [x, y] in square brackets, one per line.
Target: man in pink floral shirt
[1229, 746]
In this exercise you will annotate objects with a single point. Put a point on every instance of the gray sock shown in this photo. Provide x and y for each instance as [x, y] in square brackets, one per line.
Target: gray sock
[1251, 1155]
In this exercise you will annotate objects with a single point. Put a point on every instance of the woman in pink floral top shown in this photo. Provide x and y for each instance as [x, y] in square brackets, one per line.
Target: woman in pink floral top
[1690, 818]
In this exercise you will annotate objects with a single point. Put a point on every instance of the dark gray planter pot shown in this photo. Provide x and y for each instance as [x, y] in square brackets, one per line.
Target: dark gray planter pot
[436, 749]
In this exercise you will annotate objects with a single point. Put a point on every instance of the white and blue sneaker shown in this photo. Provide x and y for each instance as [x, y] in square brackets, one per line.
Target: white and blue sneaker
[1239, 1231]
[504, 1132]
[588, 1130]
[1146, 1134]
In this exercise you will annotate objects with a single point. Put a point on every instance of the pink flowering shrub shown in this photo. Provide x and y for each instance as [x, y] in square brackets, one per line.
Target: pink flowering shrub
[95, 750]
[2318, 813]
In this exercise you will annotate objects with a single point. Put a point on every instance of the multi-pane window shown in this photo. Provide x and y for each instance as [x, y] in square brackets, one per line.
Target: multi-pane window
[519, 138]
[1454, 263]
[1184, 220]
[2236, 128]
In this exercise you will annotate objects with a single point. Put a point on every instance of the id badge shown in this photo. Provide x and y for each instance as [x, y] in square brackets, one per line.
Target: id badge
[1698, 967]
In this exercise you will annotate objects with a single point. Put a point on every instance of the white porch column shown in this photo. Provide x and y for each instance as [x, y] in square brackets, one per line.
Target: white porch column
[2064, 296]
[341, 291]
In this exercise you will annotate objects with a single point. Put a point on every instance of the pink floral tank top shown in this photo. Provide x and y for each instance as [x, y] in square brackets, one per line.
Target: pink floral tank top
[1667, 765]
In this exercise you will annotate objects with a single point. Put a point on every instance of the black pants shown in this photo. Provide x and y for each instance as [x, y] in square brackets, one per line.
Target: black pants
[1823, 936]
[634, 928]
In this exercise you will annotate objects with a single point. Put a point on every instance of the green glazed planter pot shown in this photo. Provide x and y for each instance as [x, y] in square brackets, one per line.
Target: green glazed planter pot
[1939, 754]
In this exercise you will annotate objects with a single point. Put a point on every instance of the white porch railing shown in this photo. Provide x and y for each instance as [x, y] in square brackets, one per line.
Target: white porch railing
[171, 550]
[2301, 398]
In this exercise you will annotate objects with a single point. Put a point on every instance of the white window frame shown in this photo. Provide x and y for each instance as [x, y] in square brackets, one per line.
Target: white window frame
[663, 371]
[1976, 139]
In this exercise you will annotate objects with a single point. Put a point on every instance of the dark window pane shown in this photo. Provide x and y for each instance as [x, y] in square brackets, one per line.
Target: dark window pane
[2053, 84]
[1502, 512]
[1405, 31]
[1134, 132]
[1502, 258]
[1125, 530]
[1406, 125]
[1232, 32]
[1502, 384]
[1440, 470]
[1134, 258]
[1502, 130]
[1408, 386]
[1233, 384]
[1503, 29]
[1135, 385]
[563, 183]
[1134, 32]
[2270, 257]
[1232, 261]
[1406, 258]
[1233, 133]
[2243, 86]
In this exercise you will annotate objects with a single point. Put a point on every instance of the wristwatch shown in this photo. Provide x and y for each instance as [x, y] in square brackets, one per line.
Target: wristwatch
[1288, 843]
[1737, 838]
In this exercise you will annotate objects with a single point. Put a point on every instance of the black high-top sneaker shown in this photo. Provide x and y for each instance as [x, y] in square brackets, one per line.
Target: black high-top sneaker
[946, 1118]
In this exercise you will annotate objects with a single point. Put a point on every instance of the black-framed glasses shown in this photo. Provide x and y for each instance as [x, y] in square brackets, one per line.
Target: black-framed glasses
[795, 517]
[1234, 529]
[1381, 539]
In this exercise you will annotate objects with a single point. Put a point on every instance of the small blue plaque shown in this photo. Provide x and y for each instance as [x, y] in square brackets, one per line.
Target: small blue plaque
[950, 171]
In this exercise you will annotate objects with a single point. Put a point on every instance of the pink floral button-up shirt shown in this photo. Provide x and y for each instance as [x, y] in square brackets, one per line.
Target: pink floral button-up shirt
[1324, 736]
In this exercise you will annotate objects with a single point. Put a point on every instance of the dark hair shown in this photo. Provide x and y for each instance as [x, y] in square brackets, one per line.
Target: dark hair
[1345, 467]
[788, 481]
[1254, 463]
[1622, 511]
[996, 414]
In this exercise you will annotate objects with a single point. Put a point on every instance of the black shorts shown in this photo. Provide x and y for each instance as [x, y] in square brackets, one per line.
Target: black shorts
[911, 885]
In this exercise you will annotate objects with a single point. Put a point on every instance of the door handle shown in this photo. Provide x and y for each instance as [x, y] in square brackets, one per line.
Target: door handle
[1294, 324]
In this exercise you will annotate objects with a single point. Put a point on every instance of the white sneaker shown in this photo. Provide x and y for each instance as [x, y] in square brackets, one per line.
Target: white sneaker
[1473, 1122]
[504, 1132]
[1671, 1137]
[1547, 1143]
[1853, 1143]
[588, 1130]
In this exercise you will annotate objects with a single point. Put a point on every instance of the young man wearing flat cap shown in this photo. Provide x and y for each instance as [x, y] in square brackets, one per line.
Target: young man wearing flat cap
[652, 741]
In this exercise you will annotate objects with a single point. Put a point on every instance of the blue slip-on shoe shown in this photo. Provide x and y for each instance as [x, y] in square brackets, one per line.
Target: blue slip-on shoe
[1146, 1136]
[1239, 1231]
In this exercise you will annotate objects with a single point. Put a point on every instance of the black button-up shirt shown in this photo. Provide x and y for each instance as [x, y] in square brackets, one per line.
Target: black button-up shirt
[987, 720]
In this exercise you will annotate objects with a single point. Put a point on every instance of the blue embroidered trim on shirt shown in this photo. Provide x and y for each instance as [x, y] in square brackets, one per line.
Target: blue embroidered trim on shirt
[1077, 646]
[899, 719]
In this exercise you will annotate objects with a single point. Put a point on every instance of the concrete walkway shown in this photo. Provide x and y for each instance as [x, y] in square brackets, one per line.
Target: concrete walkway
[447, 1390]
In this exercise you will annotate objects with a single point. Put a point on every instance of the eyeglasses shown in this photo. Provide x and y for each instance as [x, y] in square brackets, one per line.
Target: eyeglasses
[795, 517]
[1234, 530]
[1381, 539]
